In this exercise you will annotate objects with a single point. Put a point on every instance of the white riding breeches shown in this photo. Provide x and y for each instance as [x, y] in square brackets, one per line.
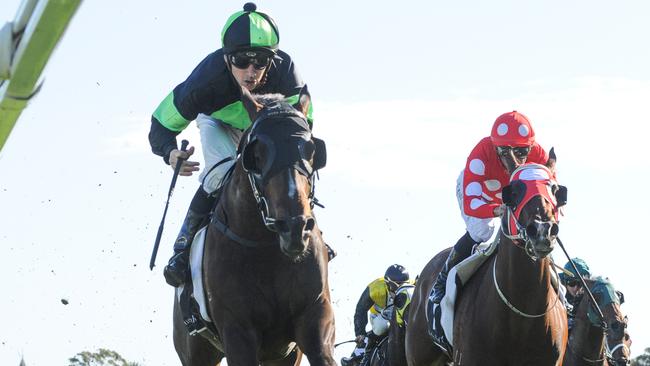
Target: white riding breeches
[218, 141]
[480, 230]
[379, 324]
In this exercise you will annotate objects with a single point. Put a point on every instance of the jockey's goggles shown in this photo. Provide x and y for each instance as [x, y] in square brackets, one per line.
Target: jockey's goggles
[392, 285]
[243, 59]
[571, 282]
[520, 152]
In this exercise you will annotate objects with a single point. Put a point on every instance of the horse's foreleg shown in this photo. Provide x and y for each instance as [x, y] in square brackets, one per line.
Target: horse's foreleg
[315, 334]
[240, 345]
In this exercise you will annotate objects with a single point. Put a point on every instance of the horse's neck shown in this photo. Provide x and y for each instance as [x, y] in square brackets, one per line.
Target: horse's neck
[587, 340]
[526, 281]
[239, 207]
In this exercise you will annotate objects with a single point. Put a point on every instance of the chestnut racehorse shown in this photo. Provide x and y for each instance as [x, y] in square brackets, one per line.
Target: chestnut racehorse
[509, 312]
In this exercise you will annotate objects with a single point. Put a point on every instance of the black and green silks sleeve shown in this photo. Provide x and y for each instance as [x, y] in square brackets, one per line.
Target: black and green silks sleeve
[210, 87]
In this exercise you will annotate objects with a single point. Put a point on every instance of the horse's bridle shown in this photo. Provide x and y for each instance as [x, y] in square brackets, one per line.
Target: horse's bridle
[607, 353]
[520, 239]
[277, 111]
[263, 206]
[509, 304]
[518, 193]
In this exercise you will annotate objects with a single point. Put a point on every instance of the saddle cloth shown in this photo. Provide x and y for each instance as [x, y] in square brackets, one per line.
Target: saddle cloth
[457, 277]
[191, 296]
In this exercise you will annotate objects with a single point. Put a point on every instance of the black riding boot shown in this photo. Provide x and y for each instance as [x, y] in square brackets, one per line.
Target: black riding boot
[459, 252]
[177, 270]
[373, 339]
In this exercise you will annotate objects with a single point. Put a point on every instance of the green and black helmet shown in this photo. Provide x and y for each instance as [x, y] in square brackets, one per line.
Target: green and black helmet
[249, 29]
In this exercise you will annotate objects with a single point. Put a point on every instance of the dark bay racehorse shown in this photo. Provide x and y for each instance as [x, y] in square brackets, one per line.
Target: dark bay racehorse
[395, 349]
[265, 262]
[509, 312]
[390, 351]
[589, 343]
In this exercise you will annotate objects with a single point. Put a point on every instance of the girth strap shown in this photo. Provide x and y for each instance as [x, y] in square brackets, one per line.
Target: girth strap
[236, 238]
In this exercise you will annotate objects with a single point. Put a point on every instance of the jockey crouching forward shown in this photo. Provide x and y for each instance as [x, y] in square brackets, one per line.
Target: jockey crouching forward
[478, 190]
[377, 299]
[249, 58]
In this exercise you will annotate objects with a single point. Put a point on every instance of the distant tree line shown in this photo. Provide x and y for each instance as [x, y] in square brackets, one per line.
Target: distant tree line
[106, 357]
[103, 357]
[643, 360]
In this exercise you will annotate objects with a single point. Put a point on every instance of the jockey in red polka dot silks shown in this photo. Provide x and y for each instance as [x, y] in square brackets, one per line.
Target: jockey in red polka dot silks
[478, 189]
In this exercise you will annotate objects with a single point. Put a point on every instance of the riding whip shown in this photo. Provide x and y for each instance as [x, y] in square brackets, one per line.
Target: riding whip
[350, 341]
[177, 169]
[585, 287]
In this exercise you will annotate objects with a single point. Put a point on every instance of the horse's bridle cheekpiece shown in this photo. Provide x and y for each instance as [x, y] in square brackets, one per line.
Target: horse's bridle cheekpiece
[286, 121]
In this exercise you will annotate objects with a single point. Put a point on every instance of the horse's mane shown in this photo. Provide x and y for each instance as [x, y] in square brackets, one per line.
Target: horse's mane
[266, 99]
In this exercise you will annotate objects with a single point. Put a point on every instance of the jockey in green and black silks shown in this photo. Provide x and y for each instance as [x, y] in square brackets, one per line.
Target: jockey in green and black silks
[249, 58]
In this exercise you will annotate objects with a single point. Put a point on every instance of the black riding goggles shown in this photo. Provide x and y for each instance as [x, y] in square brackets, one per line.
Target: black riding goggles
[392, 285]
[520, 152]
[242, 60]
[571, 282]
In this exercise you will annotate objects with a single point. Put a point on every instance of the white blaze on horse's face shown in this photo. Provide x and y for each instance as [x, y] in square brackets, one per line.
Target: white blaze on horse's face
[541, 226]
[617, 337]
[292, 189]
[288, 199]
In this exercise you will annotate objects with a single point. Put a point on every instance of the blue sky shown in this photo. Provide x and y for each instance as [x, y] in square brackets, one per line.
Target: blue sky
[402, 92]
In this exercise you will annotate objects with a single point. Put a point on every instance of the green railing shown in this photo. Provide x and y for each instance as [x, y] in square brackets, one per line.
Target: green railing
[25, 46]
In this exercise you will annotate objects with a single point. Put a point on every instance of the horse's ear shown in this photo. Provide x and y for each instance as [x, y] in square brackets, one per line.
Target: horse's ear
[552, 159]
[304, 101]
[252, 107]
[621, 297]
[513, 193]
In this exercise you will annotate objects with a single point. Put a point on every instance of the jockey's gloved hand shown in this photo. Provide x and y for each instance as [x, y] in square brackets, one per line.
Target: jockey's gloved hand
[188, 166]
[360, 340]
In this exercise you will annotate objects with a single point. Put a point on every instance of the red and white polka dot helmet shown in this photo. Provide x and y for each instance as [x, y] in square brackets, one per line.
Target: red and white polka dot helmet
[512, 129]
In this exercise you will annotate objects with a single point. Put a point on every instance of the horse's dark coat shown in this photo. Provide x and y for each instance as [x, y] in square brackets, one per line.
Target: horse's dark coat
[262, 299]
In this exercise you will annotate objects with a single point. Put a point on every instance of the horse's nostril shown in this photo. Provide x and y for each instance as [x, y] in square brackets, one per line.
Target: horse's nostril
[309, 225]
[531, 230]
[555, 229]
